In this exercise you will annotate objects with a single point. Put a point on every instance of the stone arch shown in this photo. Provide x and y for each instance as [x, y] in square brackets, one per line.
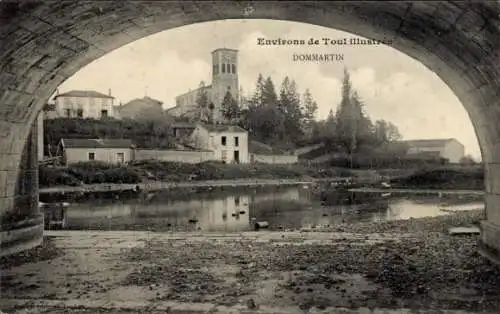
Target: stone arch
[42, 44]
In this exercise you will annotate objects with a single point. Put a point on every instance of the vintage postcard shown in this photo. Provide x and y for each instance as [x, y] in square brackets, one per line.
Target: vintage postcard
[249, 156]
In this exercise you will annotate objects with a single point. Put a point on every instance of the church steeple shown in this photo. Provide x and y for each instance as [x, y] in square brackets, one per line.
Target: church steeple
[224, 78]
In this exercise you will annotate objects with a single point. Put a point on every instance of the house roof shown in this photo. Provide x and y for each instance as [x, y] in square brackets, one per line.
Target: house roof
[225, 49]
[185, 125]
[84, 93]
[428, 143]
[96, 143]
[142, 101]
[219, 128]
[194, 90]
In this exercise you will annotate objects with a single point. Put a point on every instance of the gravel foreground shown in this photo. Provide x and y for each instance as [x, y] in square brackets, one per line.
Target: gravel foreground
[428, 270]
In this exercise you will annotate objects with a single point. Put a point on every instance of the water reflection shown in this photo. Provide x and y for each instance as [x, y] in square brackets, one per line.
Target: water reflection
[237, 209]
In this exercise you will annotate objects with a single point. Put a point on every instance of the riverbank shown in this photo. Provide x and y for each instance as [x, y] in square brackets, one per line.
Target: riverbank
[87, 173]
[417, 191]
[410, 264]
[444, 178]
[156, 175]
[157, 185]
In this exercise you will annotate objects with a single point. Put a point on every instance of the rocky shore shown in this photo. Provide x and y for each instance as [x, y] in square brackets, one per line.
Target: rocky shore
[412, 264]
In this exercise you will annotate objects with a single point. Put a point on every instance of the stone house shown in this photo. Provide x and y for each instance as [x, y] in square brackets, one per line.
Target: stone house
[449, 148]
[229, 143]
[117, 151]
[83, 104]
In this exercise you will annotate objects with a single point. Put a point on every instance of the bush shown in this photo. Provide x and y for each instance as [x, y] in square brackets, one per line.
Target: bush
[445, 178]
[88, 173]
[48, 177]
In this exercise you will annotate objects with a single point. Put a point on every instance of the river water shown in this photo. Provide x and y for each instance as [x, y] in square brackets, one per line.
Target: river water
[238, 209]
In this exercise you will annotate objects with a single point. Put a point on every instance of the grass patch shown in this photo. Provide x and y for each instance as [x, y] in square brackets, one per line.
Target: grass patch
[134, 172]
[471, 178]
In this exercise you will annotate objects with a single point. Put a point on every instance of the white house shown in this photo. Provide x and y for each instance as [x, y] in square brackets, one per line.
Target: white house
[110, 150]
[450, 148]
[229, 143]
[84, 104]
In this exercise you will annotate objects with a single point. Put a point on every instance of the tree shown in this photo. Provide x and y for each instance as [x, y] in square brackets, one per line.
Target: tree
[310, 107]
[262, 118]
[256, 98]
[467, 160]
[352, 126]
[386, 132]
[202, 103]
[289, 105]
[268, 93]
[229, 107]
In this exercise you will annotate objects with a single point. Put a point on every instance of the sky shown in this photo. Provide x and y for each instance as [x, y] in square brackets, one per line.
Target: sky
[392, 85]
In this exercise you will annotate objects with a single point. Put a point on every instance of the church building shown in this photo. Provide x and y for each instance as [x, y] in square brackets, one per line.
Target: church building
[224, 79]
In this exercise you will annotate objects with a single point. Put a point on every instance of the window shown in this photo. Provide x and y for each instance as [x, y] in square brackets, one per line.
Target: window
[237, 201]
[104, 113]
[224, 156]
[229, 87]
[91, 156]
[216, 69]
[223, 68]
[79, 113]
[234, 68]
[120, 158]
[236, 141]
[68, 113]
[223, 141]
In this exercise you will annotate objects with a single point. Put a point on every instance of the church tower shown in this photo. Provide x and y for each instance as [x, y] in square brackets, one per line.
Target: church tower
[224, 79]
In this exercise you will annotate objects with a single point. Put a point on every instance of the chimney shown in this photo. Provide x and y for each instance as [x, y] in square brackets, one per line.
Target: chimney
[109, 92]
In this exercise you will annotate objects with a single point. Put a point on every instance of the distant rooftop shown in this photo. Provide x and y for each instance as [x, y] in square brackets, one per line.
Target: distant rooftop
[144, 100]
[84, 93]
[428, 143]
[218, 128]
[227, 49]
[183, 125]
[96, 143]
[193, 91]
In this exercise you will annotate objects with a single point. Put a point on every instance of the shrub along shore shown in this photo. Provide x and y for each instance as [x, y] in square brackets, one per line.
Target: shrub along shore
[85, 173]
[150, 172]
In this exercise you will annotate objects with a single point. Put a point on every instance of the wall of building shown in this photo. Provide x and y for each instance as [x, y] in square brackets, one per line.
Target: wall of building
[224, 81]
[274, 159]
[226, 152]
[187, 102]
[416, 150]
[453, 151]
[91, 107]
[73, 155]
[173, 155]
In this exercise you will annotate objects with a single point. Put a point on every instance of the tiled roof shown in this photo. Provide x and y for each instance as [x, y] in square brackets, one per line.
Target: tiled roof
[185, 125]
[195, 90]
[96, 143]
[142, 101]
[428, 143]
[84, 93]
[218, 128]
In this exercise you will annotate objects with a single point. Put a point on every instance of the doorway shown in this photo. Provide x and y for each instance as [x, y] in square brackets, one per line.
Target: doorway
[237, 156]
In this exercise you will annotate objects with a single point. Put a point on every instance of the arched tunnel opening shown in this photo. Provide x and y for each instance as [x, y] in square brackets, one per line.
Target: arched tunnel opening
[44, 44]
